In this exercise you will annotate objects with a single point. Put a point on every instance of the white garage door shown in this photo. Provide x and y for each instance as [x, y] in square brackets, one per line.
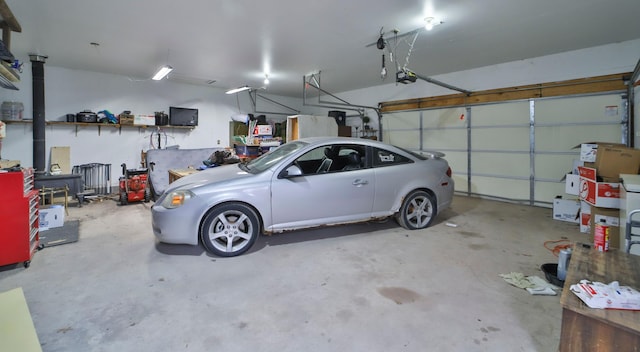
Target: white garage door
[518, 151]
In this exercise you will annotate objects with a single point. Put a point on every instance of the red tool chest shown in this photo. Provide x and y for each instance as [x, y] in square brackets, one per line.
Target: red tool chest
[18, 217]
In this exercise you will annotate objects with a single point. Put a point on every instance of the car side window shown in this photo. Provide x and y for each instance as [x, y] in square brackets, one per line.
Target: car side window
[315, 161]
[350, 157]
[332, 158]
[382, 157]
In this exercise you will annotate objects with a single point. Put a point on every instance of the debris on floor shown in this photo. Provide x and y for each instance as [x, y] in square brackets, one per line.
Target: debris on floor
[533, 284]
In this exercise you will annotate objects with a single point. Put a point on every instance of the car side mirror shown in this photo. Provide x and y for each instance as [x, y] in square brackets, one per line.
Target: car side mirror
[291, 171]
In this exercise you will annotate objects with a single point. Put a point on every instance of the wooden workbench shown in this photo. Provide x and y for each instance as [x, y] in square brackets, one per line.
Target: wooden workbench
[175, 174]
[589, 329]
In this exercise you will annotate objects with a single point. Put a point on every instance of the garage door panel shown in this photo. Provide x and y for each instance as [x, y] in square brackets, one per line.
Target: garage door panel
[404, 139]
[553, 166]
[443, 118]
[498, 160]
[579, 109]
[457, 162]
[564, 138]
[505, 188]
[403, 120]
[514, 113]
[444, 139]
[460, 182]
[507, 139]
[508, 165]
[546, 191]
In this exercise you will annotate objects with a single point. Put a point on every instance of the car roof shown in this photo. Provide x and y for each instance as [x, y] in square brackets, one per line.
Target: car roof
[325, 140]
[318, 141]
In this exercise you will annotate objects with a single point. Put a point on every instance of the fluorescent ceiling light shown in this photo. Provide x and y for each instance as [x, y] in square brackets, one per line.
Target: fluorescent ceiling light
[236, 90]
[162, 72]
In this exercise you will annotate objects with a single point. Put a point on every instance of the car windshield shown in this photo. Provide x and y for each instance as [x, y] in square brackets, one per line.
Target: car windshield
[273, 157]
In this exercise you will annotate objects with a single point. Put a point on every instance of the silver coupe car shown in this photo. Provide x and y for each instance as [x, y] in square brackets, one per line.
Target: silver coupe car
[305, 183]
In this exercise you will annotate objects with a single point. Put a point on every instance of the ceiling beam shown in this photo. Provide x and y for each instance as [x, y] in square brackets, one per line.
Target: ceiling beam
[8, 19]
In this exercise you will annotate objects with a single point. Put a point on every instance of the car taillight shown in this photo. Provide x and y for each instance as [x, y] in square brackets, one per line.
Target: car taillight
[449, 171]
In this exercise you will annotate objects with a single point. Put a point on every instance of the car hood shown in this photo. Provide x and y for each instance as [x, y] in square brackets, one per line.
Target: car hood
[219, 174]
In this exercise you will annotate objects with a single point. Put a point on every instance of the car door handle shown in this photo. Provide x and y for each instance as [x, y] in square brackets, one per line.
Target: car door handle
[360, 182]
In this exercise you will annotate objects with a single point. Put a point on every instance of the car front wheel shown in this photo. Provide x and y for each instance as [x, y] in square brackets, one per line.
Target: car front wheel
[230, 230]
[417, 211]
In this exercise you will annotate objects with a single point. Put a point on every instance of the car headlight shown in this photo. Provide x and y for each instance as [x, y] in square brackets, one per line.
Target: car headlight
[177, 198]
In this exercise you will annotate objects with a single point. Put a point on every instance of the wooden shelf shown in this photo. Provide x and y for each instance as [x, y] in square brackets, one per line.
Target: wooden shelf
[99, 125]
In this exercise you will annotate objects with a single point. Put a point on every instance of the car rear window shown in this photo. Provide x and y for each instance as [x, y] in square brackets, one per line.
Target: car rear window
[383, 157]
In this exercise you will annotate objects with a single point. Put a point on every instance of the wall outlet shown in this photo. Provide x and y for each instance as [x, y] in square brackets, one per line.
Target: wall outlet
[218, 141]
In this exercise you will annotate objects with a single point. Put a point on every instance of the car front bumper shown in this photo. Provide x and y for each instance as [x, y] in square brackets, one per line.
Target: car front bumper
[178, 225]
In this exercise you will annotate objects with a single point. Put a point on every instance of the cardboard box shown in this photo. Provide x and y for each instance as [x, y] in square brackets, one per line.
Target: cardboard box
[576, 163]
[566, 210]
[585, 217]
[262, 130]
[50, 217]
[599, 194]
[611, 161]
[612, 219]
[588, 150]
[126, 120]
[146, 120]
[572, 184]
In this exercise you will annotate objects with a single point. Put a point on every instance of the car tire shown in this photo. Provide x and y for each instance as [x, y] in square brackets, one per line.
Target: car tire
[417, 211]
[230, 229]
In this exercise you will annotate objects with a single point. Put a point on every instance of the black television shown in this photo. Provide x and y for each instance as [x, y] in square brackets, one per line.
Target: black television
[183, 116]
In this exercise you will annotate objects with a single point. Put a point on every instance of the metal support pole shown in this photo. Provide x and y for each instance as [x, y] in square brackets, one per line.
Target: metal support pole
[532, 151]
[39, 154]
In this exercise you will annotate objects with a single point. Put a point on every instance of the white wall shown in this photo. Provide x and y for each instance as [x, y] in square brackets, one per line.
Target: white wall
[71, 91]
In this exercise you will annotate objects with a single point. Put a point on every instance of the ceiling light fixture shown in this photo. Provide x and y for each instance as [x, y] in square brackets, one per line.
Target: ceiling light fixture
[266, 78]
[431, 22]
[162, 72]
[236, 90]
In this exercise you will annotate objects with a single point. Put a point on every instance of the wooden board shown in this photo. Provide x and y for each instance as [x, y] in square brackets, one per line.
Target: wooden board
[17, 332]
[598, 84]
[62, 157]
[175, 174]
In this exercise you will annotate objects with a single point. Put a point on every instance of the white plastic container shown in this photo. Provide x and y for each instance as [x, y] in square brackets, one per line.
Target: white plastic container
[12, 110]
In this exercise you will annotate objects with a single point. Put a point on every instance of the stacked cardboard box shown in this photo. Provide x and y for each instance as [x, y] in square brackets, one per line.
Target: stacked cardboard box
[598, 186]
[568, 208]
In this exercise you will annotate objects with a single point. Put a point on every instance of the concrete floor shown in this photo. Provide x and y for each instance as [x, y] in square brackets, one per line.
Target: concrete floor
[368, 287]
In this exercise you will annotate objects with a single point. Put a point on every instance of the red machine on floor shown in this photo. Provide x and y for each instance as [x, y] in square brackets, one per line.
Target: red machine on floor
[134, 185]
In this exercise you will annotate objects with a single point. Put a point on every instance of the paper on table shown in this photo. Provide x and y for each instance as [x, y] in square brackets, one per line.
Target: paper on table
[603, 296]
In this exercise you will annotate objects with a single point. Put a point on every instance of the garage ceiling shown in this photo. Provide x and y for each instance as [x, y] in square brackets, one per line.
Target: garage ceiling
[233, 42]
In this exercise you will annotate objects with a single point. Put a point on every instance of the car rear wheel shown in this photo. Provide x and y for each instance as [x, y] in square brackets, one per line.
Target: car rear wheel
[230, 230]
[417, 211]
